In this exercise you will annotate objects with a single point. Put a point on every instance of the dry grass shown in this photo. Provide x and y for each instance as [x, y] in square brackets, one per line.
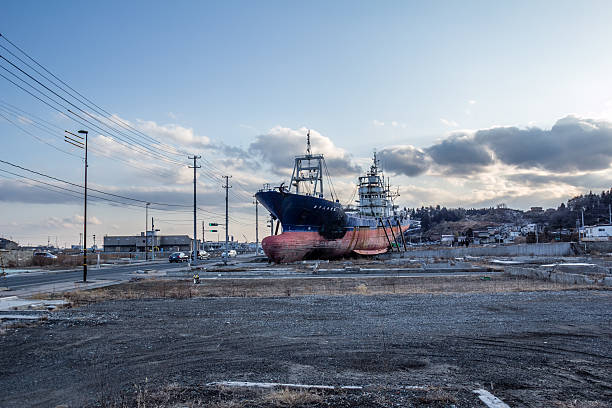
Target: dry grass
[184, 289]
[19, 324]
[292, 398]
[436, 396]
[362, 289]
[174, 395]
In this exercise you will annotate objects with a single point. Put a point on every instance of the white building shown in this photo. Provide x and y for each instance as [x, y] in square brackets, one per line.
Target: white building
[447, 239]
[597, 233]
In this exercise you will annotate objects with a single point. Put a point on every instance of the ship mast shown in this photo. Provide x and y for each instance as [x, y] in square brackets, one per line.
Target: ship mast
[308, 168]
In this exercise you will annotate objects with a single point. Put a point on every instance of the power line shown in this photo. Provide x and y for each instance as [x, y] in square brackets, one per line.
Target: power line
[89, 188]
[38, 138]
[38, 123]
[110, 116]
[132, 143]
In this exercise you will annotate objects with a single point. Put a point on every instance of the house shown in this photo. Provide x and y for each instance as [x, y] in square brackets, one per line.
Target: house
[597, 232]
[447, 240]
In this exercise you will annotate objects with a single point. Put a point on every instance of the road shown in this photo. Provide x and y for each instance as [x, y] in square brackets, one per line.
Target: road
[115, 272]
[240, 268]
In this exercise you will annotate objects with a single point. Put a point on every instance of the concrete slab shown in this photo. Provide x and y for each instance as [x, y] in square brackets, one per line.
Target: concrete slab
[62, 287]
[490, 400]
[19, 317]
[11, 303]
[249, 384]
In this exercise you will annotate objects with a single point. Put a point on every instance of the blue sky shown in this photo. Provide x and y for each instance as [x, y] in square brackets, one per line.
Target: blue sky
[363, 75]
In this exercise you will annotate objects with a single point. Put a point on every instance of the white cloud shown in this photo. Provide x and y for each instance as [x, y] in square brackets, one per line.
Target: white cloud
[378, 123]
[173, 133]
[449, 123]
[278, 146]
[78, 219]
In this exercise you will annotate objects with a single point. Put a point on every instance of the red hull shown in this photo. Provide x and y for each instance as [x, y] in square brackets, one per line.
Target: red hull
[294, 246]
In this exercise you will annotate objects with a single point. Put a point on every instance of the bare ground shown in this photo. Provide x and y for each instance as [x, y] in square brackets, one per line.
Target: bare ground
[159, 344]
[257, 287]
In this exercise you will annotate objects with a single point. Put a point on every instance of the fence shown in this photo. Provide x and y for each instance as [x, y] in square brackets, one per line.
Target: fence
[552, 249]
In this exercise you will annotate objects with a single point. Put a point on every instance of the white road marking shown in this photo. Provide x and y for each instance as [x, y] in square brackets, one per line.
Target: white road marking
[274, 385]
[490, 400]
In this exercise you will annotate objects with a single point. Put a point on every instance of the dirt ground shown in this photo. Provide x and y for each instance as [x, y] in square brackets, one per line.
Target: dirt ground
[260, 287]
[162, 346]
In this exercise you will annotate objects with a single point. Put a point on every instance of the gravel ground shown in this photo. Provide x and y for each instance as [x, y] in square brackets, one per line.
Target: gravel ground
[529, 349]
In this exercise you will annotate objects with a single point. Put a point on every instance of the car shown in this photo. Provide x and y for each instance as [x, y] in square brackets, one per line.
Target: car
[232, 254]
[202, 255]
[178, 257]
[43, 254]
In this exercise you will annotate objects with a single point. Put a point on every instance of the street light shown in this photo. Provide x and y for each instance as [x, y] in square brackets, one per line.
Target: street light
[78, 143]
[84, 132]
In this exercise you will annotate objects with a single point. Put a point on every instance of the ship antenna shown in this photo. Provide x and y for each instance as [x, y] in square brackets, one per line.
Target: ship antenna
[308, 143]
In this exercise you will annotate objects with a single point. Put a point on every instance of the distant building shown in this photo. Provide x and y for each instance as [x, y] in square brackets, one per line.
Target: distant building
[597, 233]
[447, 239]
[8, 244]
[137, 243]
[536, 209]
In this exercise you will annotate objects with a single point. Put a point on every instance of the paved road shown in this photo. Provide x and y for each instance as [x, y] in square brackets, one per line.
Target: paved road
[115, 272]
[34, 280]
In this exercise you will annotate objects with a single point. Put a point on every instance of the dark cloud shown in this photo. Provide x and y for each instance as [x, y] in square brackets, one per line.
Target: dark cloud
[460, 154]
[278, 147]
[594, 181]
[17, 192]
[572, 144]
[407, 160]
[342, 166]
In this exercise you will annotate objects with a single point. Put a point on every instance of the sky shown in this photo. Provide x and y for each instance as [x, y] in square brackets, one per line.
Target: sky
[470, 104]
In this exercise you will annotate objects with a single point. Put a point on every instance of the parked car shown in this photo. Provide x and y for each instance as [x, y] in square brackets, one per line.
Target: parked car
[178, 257]
[232, 254]
[201, 255]
[43, 254]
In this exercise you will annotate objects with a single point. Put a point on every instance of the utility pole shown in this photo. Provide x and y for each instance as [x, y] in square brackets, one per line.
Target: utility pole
[78, 143]
[256, 227]
[610, 213]
[195, 219]
[85, 213]
[152, 239]
[203, 240]
[226, 187]
[147, 231]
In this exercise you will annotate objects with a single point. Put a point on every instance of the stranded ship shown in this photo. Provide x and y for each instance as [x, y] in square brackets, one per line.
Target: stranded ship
[314, 227]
